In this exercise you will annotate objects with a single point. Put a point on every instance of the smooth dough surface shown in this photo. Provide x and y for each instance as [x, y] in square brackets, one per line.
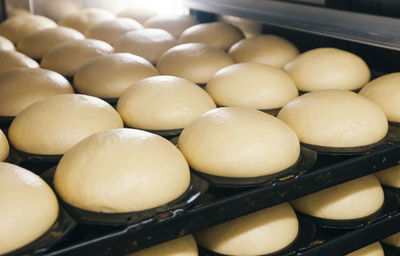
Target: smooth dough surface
[37, 44]
[328, 68]
[66, 58]
[149, 43]
[21, 87]
[374, 249]
[163, 103]
[258, 233]
[184, 246]
[4, 147]
[389, 177]
[393, 240]
[265, 49]
[109, 76]
[174, 24]
[350, 200]
[122, 170]
[13, 59]
[138, 13]
[335, 118]
[6, 45]
[52, 126]
[239, 142]
[28, 207]
[195, 62]
[217, 34]
[253, 85]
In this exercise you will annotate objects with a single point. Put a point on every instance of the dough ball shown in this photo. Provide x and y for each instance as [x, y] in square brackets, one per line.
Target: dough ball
[328, 68]
[350, 200]
[138, 13]
[195, 62]
[335, 118]
[374, 249]
[4, 147]
[52, 126]
[28, 207]
[12, 59]
[239, 142]
[6, 45]
[163, 103]
[174, 24]
[252, 85]
[390, 177]
[393, 240]
[122, 170]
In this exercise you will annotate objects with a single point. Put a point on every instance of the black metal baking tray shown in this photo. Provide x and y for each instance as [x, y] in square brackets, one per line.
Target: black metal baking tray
[5, 121]
[164, 133]
[22, 156]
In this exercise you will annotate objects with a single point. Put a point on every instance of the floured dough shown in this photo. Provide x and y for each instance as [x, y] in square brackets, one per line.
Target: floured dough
[389, 177]
[6, 45]
[138, 13]
[13, 59]
[174, 24]
[4, 147]
[374, 249]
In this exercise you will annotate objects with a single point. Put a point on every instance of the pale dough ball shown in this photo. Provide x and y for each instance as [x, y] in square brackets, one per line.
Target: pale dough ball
[148, 43]
[266, 49]
[66, 58]
[138, 13]
[174, 24]
[239, 142]
[350, 200]
[6, 45]
[122, 170]
[19, 26]
[328, 68]
[4, 147]
[183, 246]
[374, 249]
[28, 207]
[195, 62]
[52, 126]
[109, 31]
[163, 103]
[393, 240]
[258, 233]
[37, 44]
[109, 76]
[253, 85]
[21, 87]
[385, 92]
[217, 34]
[85, 18]
[335, 118]
[57, 9]
[13, 59]
[390, 177]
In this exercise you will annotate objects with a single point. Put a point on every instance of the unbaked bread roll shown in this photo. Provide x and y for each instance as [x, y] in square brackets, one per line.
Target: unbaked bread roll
[21, 87]
[266, 49]
[109, 76]
[4, 147]
[28, 207]
[52, 126]
[195, 62]
[258, 233]
[19, 26]
[390, 176]
[374, 249]
[393, 240]
[253, 85]
[148, 43]
[163, 103]
[66, 58]
[183, 246]
[13, 59]
[37, 44]
[122, 170]
[239, 142]
[328, 68]
[174, 24]
[217, 34]
[6, 45]
[335, 118]
[350, 200]
[138, 13]
[85, 18]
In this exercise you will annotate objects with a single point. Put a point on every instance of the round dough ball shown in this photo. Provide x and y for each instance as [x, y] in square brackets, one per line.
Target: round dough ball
[183, 246]
[21, 87]
[335, 118]
[174, 24]
[265, 49]
[350, 200]
[148, 43]
[12, 59]
[66, 58]
[258, 233]
[217, 34]
[385, 92]
[374, 249]
[163, 103]
[393, 240]
[19, 26]
[109, 76]
[389, 177]
[195, 62]
[122, 170]
[6, 45]
[28, 207]
[252, 85]
[85, 18]
[138, 13]
[52, 126]
[37, 44]
[4, 147]
[328, 68]
[239, 142]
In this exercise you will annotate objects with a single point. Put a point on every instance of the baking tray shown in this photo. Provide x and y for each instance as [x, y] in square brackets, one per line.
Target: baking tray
[168, 134]
[5, 122]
